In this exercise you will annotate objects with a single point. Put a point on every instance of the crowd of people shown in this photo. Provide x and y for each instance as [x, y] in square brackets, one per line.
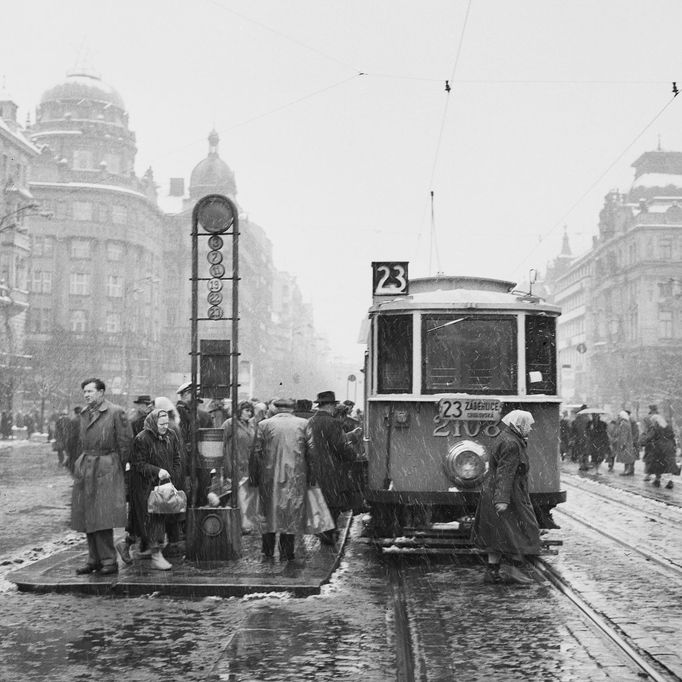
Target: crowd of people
[593, 438]
[282, 448]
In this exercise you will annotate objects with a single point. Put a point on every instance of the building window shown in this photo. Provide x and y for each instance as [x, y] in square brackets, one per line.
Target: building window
[82, 159]
[82, 210]
[79, 284]
[43, 246]
[79, 321]
[114, 286]
[665, 249]
[39, 320]
[61, 210]
[113, 162]
[119, 214]
[113, 323]
[114, 251]
[665, 324]
[103, 213]
[80, 248]
[42, 282]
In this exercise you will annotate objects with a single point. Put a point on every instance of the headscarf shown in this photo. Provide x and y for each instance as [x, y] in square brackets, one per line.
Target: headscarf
[519, 420]
[165, 404]
[658, 420]
[624, 415]
[151, 423]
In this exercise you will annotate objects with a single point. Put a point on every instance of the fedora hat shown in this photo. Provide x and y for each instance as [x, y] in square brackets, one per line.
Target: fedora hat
[326, 398]
[143, 400]
[284, 402]
[185, 387]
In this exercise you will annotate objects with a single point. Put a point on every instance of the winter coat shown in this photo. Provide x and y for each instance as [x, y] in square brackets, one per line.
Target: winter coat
[625, 451]
[331, 456]
[98, 496]
[662, 448]
[149, 454]
[279, 465]
[514, 531]
[245, 435]
[598, 441]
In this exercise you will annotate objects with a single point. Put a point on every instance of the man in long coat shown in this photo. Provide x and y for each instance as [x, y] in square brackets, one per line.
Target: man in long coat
[279, 466]
[331, 457]
[98, 500]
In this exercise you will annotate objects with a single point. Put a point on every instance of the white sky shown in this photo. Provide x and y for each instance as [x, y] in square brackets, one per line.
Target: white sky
[337, 167]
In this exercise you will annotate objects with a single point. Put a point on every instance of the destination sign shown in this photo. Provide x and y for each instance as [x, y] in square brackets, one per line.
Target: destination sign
[466, 408]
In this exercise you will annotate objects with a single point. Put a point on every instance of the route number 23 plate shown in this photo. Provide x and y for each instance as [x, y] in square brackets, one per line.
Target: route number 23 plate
[389, 278]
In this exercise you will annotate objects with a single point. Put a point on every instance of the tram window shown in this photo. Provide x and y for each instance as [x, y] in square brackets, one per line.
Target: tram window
[540, 354]
[395, 354]
[469, 354]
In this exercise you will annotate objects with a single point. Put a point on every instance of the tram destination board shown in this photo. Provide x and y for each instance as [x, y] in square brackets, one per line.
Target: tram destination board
[467, 408]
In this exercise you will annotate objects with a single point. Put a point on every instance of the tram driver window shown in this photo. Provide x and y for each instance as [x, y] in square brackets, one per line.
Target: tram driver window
[469, 354]
[395, 354]
[540, 355]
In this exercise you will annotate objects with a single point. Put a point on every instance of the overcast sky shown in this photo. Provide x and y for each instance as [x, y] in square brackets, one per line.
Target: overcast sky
[335, 119]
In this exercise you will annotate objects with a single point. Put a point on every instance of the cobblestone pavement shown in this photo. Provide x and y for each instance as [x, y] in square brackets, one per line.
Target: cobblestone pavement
[461, 629]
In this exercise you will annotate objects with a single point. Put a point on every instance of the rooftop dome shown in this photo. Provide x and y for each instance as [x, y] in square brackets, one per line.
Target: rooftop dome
[212, 174]
[79, 86]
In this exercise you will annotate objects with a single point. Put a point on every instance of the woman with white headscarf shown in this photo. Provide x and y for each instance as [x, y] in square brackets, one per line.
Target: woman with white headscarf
[505, 523]
[662, 460]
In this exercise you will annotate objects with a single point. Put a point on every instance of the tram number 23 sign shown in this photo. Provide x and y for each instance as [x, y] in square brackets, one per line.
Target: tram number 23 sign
[469, 409]
[389, 278]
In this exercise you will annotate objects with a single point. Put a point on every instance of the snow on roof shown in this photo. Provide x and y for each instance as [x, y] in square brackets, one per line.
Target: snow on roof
[90, 185]
[658, 180]
[171, 204]
[18, 136]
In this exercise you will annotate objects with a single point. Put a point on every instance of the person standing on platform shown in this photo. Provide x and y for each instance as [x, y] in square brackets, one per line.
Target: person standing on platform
[144, 405]
[661, 438]
[244, 437]
[625, 449]
[61, 434]
[597, 441]
[73, 434]
[505, 523]
[279, 465]
[98, 500]
[331, 456]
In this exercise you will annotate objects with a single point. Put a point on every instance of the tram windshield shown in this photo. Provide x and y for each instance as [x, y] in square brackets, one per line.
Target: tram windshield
[469, 354]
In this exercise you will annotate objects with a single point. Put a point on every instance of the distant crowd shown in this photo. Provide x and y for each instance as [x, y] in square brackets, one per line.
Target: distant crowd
[591, 437]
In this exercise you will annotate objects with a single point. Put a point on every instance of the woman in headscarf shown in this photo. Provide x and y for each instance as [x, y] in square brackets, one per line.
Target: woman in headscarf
[625, 450]
[244, 436]
[505, 523]
[155, 457]
[660, 437]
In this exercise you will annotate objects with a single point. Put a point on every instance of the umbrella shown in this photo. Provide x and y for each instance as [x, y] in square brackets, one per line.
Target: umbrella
[592, 410]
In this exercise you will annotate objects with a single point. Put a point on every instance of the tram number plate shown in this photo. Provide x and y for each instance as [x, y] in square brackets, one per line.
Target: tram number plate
[470, 409]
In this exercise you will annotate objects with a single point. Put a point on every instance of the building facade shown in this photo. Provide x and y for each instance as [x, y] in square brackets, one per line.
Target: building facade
[16, 206]
[621, 327]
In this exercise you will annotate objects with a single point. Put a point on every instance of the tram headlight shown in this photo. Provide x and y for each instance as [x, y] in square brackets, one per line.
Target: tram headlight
[466, 463]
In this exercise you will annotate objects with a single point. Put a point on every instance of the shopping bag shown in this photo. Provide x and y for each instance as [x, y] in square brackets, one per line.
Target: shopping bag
[249, 505]
[318, 519]
[166, 499]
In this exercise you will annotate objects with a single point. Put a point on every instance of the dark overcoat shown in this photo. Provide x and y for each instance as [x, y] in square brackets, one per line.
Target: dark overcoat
[662, 449]
[598, 441]
[514, 531]
[331, 456]
[98, 496]
[151, 453]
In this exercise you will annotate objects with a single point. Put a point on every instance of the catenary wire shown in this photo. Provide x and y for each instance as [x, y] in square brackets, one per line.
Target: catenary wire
[594, 183]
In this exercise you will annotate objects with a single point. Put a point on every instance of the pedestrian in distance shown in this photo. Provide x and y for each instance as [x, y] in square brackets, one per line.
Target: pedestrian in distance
[61, 434]
[155, 459]
[612, 433]
[279, 466]
[661, 438]
[143, 406]
[72, 437]
[505, 524]
[98, 498]
[245, 433]
[625, 449]
[579, 444]
[564, 435]
[331, 456]
[597, 441]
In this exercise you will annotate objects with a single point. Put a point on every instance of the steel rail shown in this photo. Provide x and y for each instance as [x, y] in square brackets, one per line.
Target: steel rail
[636, 655]
[403, 639]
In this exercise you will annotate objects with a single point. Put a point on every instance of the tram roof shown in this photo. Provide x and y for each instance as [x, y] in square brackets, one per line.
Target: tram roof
[477, 293]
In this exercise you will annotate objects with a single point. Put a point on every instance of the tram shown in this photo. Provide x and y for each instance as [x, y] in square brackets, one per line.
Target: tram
[447, 358]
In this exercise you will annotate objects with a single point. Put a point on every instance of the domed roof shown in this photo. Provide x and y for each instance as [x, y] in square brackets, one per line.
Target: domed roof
[83, 86]
[212, 174]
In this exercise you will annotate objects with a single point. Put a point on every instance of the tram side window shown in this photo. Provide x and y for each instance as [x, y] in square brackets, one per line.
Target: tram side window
[395, 354]
[540, 355]
[469, 354]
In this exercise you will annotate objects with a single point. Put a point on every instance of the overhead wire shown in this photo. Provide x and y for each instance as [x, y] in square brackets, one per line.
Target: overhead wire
[594, 183]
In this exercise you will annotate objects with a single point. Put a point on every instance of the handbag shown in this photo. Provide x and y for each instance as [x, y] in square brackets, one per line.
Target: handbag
[166, 499]
[318, 518]
[249, 506]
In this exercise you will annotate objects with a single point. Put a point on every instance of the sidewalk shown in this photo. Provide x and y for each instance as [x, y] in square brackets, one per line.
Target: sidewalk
[247, 575]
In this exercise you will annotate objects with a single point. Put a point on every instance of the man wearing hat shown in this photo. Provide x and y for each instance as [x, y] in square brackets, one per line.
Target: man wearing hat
[279, 466]
[331, 456]
[144, 405]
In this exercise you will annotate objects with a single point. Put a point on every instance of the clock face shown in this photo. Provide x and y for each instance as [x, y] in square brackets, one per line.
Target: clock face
[216, 216]
[214, 257]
